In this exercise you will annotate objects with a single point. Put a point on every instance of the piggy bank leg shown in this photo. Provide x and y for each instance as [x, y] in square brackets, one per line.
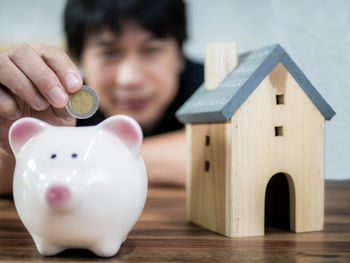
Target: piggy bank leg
[106, 248]
[46, 248]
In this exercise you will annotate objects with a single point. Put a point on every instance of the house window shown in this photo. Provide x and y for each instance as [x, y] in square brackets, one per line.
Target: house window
[206, 166]
[207, 140]
[279, 131]
[279, 99]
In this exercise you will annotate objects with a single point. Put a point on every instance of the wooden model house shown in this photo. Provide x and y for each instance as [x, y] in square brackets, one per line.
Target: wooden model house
[263, 121]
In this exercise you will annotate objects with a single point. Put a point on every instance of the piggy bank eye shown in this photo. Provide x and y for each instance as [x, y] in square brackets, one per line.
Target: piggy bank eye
[74, 155]
[53, 156]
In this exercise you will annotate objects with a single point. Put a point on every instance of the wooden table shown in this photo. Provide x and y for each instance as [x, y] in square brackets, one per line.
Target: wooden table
[163, 235]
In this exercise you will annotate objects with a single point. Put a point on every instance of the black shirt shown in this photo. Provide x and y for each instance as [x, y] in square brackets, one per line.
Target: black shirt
[190, 80]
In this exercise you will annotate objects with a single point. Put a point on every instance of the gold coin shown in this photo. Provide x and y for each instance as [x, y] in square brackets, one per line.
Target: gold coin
[83, 104]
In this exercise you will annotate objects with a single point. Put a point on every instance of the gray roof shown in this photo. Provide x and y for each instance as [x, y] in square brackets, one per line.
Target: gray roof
[221, 103]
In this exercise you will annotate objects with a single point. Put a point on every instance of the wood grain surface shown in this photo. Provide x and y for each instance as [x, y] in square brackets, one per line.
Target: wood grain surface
[163, 235]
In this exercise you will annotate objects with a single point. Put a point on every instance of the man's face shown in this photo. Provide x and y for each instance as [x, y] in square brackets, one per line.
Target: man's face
[133, 73]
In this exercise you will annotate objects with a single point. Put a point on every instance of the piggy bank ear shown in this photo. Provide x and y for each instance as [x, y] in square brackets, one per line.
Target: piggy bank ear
[127, 129]
[22, 130]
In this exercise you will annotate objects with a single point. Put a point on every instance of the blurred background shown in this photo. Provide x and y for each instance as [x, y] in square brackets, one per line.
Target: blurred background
[315, 33]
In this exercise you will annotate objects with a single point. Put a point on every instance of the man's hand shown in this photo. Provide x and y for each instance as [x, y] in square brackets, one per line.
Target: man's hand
[35, 81]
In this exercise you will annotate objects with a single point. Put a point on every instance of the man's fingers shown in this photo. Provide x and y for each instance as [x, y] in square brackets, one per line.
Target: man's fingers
[8, 106]
[63, 67]
[19, 84]
[40, 74]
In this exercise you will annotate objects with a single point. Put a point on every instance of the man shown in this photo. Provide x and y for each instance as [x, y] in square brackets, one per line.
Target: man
[130, 52]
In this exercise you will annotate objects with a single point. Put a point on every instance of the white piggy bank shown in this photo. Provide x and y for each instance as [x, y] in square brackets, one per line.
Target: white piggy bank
[78, 187]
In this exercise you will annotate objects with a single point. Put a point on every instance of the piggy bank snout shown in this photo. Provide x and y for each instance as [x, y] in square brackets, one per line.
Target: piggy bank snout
[58, 195]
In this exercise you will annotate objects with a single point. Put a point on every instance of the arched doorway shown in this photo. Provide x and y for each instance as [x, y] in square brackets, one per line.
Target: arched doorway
[279, 202]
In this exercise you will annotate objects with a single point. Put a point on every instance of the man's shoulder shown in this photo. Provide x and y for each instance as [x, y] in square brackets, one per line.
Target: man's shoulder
[191, 78]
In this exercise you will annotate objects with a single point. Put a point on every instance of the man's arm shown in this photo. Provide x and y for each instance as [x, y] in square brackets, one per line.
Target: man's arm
[165, 158]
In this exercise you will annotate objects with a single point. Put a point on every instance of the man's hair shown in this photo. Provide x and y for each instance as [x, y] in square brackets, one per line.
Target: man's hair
[163, 18]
